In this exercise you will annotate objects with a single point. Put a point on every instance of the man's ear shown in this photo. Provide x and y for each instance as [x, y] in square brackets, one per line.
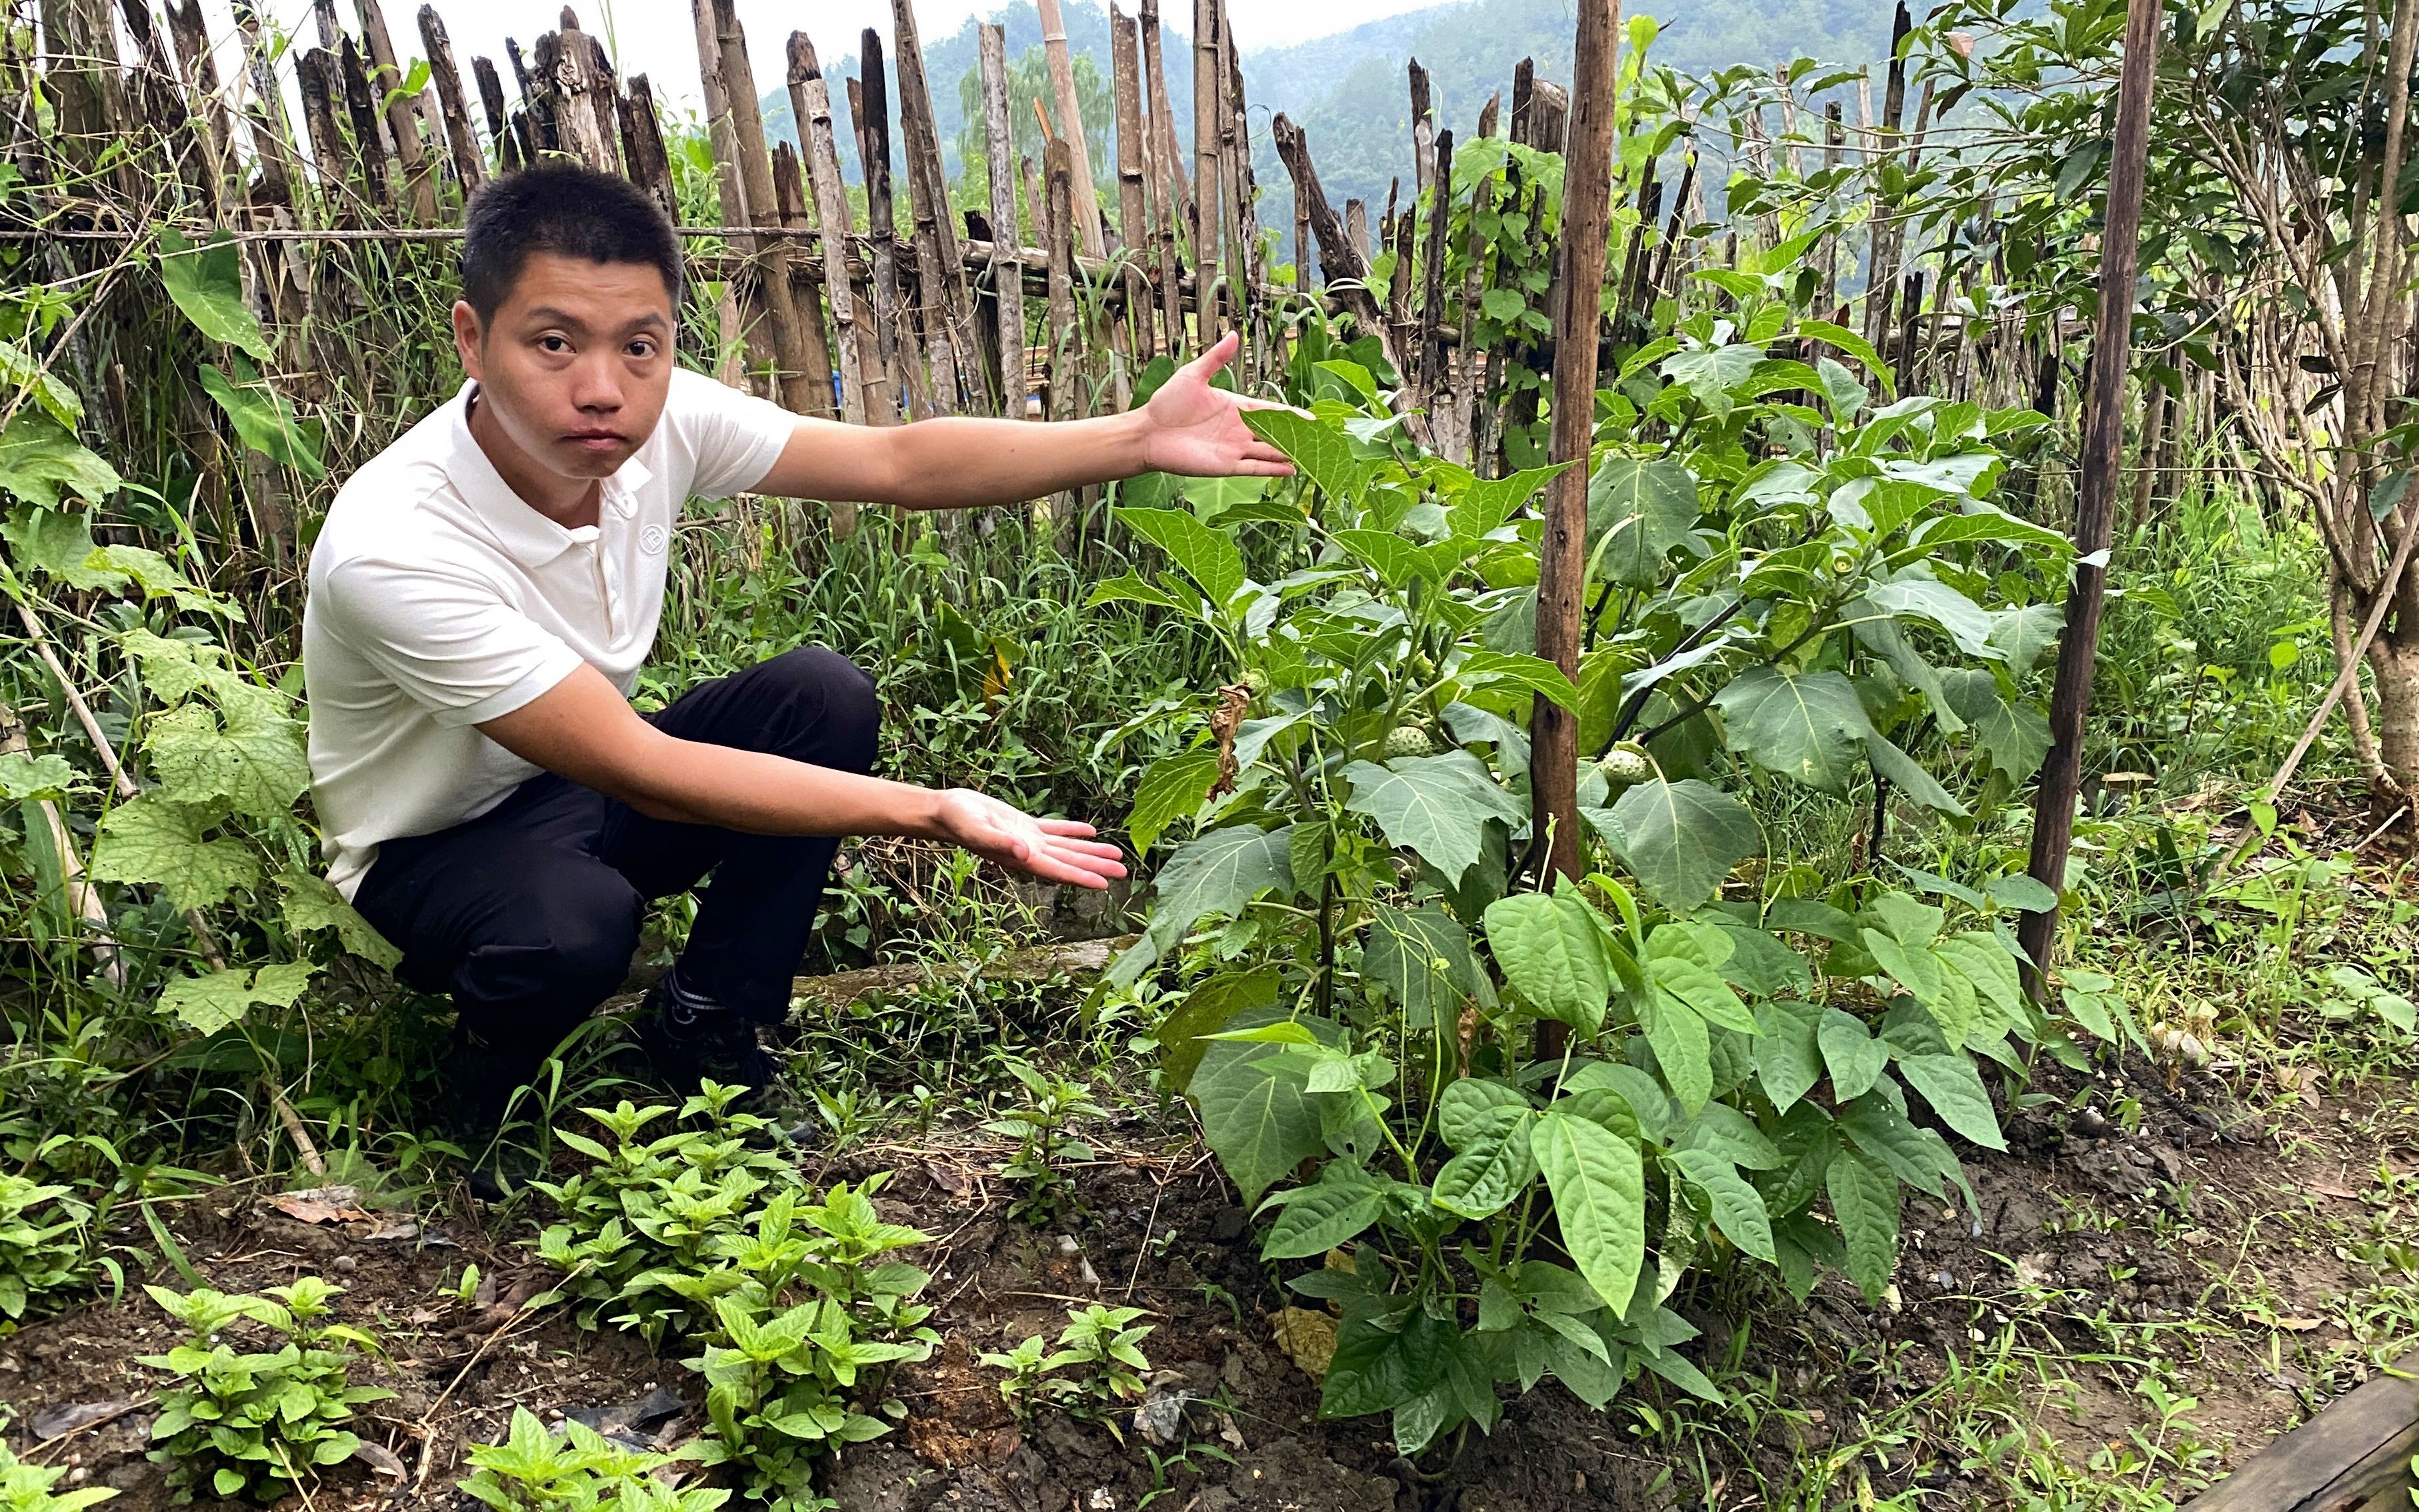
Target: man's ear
[467, 337]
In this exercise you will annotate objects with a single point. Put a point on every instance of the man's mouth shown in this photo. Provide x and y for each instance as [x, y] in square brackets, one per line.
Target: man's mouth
[594, 441]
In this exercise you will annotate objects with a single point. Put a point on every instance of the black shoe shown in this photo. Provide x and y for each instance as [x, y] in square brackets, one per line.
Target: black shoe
[689, 1038]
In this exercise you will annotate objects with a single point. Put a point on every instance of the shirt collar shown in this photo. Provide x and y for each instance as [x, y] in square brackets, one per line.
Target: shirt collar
[530, 538]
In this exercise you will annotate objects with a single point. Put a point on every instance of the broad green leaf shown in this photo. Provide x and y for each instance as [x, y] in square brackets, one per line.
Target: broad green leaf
[1206, 1011]
[1738, 1208]
[1552, 953]
[1599, 1187]
[208, 286]
[1488, 502]
[1734, 1136]
[24, 777]
[149, 839]
[174, 669]
[1681, 838]
[311, 904]
[1682, 1048]
[1255, 1113]
[209, 1003]
[1854, 345]
[1209, 557]
[1646, 506]
[279, 985]
[1494, 1166]
[1981, 959]
[1217, 873]
[1887, 641]
[1846, 393]
[1920, 1157]
[1898, 766]
[1853, 1056]
[1788, 1058]
[1467, 1106]
[1648, 1101]
[1811, 727]
[1330, 1212]
[264, 419]
[1954, 1089]
[1865, 1202]
[1128, 589]
[1984, 523]
[2014, 734]
[1913, 967]
[1396, 559]
[251, 759]
[1534, 674]
[1710, 372]
[1171, 790]
[1217, 499]
[1422, 959]
[19, 368]
[1319, 451]
[2023, 634]
[1378, 1368]
[39, 461]
[1437, 806]
[1705, 993]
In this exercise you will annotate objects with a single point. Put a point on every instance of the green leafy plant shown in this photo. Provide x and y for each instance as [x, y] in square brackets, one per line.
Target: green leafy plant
[25, 1488]
[577, 1470]
[45, 1244]
[649, 1213]
[1096, 1366]
[1544, 1104]
[1038, 1125]
[257, 1423]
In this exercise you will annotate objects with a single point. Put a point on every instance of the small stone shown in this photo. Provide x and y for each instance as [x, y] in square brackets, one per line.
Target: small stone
[1068, 1247]
[344, 1264]
[2091, 1123]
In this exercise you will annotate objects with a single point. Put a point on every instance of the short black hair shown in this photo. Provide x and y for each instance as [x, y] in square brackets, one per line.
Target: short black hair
[565, 209]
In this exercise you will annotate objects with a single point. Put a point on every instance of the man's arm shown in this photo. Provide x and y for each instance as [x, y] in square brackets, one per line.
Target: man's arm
[583, 728]
[957, 463]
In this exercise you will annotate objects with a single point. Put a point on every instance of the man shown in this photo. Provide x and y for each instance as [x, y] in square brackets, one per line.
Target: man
[483, 592]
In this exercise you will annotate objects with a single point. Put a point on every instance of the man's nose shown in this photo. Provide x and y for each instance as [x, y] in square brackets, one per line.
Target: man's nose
[595, 381]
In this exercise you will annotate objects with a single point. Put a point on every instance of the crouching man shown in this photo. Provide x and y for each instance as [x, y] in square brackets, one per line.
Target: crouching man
[485, 592]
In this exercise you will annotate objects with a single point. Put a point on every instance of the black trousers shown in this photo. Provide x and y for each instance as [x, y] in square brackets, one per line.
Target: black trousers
[529, 914]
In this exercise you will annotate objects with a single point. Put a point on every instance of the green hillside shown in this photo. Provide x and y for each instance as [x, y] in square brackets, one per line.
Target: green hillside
[1350, 91]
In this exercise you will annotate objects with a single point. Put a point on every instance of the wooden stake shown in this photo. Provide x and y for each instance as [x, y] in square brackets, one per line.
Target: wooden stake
[1134, 217]
[461, 138]
[402, 119]
[1086, 200]
[642, 146]
[868, 96]
[811, 109]
[1006, 267]
[1554, 769]
[941, 277]
[499, 124]
[1207, 174]
[2102, 455]
[1066, 335]
[798, 382]
[1433, 367]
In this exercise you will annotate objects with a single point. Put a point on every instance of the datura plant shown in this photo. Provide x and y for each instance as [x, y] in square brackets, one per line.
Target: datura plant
[1786, 589]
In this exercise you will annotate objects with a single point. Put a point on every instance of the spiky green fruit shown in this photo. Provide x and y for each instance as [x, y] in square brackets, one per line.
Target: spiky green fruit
[1407, 740]
[1624, 765]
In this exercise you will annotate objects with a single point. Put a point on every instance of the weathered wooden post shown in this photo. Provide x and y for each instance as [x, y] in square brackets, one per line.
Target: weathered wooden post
[1007, 242]
[1562, 564]
[2103, 445]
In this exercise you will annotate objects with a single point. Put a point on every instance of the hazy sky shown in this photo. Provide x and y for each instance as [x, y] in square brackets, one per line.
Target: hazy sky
[657, 37]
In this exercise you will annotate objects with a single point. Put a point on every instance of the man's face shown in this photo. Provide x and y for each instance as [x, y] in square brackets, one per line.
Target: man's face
[574, 364]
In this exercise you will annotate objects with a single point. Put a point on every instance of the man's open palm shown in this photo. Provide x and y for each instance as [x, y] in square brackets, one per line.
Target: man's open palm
[1198, 431]
[1054, 850]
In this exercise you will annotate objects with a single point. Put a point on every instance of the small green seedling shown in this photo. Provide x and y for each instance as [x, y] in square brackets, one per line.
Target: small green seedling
[578, 1470]
[44, 1247]
[25, 1488]
[1044, 1146]
[1100, 1352]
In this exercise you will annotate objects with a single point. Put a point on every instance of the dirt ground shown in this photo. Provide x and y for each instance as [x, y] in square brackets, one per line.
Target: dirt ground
[2220, 1221]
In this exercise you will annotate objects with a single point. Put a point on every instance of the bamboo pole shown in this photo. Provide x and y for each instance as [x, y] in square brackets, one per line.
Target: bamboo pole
[1562, 580]
[1086, 201]
[1006, 267]
[1207, 174]
[1066, 336]
[811, 109]
[1133, 212]
[789, 197]
[2102, 451]
[868, 96]
[401, 120]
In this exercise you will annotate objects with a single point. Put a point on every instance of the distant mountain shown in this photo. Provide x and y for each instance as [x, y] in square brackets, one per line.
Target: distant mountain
[1349, 92]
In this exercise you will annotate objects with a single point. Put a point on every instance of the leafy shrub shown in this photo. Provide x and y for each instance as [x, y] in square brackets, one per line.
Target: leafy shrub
[25, 1488]
[258, 1424]
[44, 1247]
[1039, 1127]
[1548, 1105]
[649, 1213]
[578, 1470]
[1101, 1349]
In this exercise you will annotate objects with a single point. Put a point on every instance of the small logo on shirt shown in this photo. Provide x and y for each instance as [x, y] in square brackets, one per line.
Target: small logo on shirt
[652, 539]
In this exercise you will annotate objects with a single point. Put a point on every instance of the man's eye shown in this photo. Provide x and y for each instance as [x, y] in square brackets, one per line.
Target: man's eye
[643, 349]
[553, 343]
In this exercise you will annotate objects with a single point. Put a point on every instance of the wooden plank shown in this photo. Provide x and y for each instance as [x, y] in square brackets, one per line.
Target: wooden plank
[642, 146]
[1553, 766]
[461, 138]
[1085, 200]
[811, 109]
[2358, 1446]
[2101, 453]
[1133, 213]
[1006, 267]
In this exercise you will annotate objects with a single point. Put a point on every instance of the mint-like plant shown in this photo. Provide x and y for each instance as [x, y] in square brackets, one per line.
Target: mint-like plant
[45, 1244]
[25, 1488]
[1534, 1107]
[257, 1423]
[577, 1470]
[1043, 1145]
[1097, 1366]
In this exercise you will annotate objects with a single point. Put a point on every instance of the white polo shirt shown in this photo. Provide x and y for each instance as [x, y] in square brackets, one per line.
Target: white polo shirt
[437, 600]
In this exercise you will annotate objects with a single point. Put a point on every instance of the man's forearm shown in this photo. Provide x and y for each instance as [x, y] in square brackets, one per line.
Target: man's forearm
[967, 463]
[698, 783]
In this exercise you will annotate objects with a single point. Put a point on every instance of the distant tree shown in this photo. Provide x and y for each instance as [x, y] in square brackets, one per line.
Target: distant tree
[1029, 84]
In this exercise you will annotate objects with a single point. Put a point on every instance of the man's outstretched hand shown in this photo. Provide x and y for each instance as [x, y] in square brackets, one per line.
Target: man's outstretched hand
[1054, 850]
[1198, 431]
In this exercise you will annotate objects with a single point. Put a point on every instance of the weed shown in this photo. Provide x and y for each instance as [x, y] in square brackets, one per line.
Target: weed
[25, 1488]
[44, 1244]
[258, 1424]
